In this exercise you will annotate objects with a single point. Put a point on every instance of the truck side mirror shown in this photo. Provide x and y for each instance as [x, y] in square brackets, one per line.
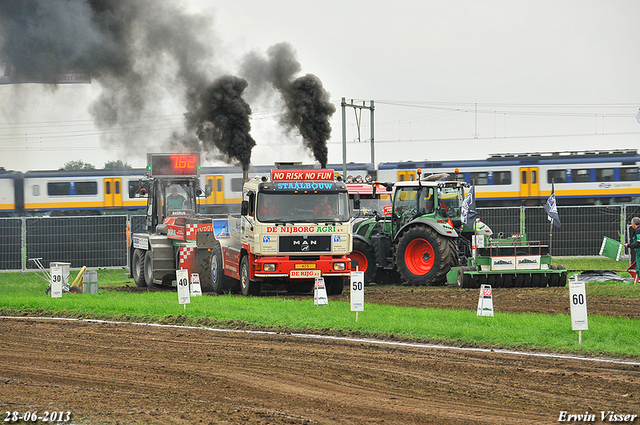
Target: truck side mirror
[244, 209]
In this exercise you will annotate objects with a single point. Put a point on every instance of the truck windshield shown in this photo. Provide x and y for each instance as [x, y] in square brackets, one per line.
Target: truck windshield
[450, 201]
[177, 199]
[302, 207]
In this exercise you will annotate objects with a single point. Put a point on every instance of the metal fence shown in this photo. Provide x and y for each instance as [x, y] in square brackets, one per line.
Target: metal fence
[82, 241]
[102, 241]
[583, 228]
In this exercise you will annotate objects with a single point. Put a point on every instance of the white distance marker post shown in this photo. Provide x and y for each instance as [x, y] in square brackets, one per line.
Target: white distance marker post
[56, 282]
[578, 301]
[485, 301]
[357, 292]
[196, 289]
[182, 276]
[320, 292]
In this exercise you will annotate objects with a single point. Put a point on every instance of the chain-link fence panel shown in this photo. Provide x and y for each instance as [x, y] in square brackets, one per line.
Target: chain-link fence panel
[138, 223]
[502, 220]
[10, 243]
[82, 241]
[582, 231]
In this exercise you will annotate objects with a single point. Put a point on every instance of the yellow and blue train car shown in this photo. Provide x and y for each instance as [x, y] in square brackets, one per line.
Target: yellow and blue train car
[95, 192]
[578, 177]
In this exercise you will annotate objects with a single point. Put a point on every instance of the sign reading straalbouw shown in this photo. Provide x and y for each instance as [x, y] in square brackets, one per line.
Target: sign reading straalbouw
[485, 302]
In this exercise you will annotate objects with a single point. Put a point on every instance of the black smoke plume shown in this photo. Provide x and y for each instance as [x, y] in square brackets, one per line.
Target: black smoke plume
[220, 118]
[142, 53]
[150, 57]
[307, 105]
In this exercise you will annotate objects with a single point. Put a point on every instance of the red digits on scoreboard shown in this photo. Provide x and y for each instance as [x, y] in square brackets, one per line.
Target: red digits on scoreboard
[181, 162]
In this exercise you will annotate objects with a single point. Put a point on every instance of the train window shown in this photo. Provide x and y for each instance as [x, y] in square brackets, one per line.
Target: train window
[456, 177]
[35, 189]
[86, 188]
[480, 178]
[58, 188]
[534, 177]
[557, 176]
[523, 179]
[605, 174]
[502, 177]
[581, 175]
[236, 185]
[134, 187]
[629, 174]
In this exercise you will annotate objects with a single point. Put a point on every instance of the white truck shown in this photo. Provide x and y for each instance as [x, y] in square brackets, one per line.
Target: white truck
[292, 229]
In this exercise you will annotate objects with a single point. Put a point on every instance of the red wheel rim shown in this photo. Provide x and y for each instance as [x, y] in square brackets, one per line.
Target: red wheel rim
[363, 264]
[419, 257]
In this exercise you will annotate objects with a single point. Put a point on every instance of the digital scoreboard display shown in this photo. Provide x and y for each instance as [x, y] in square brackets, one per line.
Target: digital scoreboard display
[173, 164]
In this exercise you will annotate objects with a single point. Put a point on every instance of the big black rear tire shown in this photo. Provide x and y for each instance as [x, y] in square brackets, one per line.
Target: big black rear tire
[424, 257]
[137, 268]
[148, 269]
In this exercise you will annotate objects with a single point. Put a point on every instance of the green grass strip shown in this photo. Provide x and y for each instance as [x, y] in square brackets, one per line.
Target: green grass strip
[608, 336]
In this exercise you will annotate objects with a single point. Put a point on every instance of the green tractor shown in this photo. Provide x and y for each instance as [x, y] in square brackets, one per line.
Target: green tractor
[421, 237]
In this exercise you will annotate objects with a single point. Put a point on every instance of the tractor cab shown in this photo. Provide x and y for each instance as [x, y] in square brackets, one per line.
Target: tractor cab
[427, 199]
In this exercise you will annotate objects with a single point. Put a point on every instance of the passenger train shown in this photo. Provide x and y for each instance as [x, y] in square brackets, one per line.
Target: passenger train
[579, 178]
[93, 192]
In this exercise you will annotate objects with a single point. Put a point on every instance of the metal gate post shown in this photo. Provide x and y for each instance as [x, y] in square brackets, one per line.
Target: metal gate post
[23, 244]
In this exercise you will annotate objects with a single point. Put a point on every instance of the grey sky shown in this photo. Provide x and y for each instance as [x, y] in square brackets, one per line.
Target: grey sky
[542, 76]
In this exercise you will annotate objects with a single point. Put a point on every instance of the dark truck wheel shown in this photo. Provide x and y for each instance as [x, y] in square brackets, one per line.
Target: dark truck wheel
[137, 268]
[210, 268]
[362, 258]
[335, 285]
[247, 286]
[424, 257]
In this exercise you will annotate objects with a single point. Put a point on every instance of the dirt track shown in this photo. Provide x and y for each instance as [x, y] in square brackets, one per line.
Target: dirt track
[131, 374]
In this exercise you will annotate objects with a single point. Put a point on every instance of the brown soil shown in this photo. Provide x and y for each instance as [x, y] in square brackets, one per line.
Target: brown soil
[131, 374]
[515, 300]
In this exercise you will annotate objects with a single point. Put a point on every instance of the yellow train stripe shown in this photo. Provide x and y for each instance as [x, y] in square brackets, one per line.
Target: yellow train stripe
[561, 193]
[83, 204]
[224, 202]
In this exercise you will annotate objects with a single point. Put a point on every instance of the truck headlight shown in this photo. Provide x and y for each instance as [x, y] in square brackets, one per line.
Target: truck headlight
[339, 266]
[269, 267]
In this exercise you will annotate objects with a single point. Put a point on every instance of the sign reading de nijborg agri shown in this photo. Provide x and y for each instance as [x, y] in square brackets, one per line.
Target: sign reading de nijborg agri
[322, 174]
[291, 230]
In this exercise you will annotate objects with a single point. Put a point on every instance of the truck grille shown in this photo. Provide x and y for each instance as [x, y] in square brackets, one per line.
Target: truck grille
[304, 243]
